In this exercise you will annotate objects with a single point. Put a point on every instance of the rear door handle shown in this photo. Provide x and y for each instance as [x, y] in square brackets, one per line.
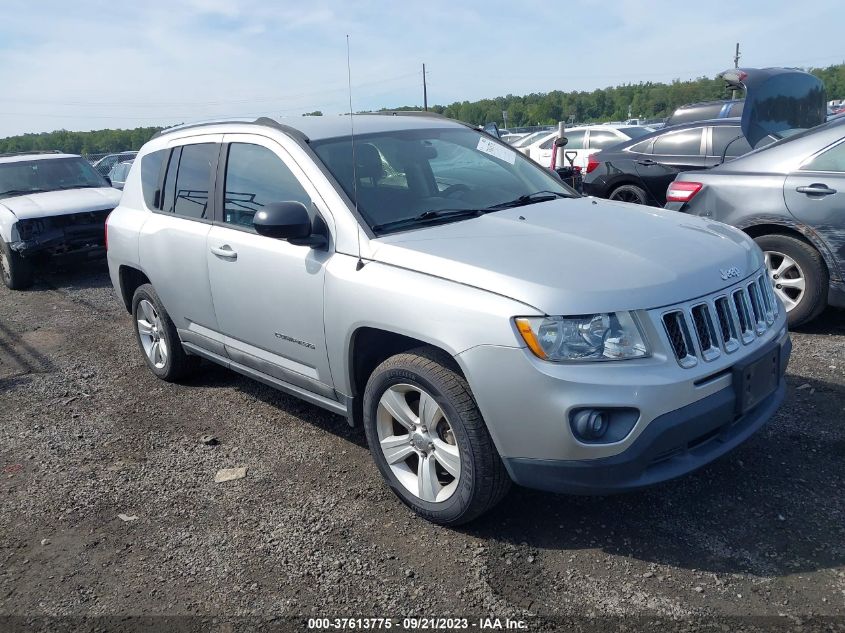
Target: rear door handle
[816, 189]
[225, 252]
[647, 162]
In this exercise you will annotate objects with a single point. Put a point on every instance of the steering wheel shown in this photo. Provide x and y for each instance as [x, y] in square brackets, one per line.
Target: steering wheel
[453, 189]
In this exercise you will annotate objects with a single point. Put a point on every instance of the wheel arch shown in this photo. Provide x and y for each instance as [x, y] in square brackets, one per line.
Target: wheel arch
[130, 279]
[797, 231]
[370, 346]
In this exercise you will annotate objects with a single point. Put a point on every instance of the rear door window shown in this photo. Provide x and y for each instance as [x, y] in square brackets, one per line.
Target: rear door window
[602, 139]
[683, 143]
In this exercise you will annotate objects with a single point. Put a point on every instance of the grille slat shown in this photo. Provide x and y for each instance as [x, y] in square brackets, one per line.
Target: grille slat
[679, 337]
[705, 330]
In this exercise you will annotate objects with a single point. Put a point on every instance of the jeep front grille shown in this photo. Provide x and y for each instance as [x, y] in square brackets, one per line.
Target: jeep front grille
[721, 324]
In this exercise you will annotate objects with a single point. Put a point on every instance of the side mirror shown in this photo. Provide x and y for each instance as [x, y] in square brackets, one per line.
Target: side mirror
[561, 141]
[287, 221]
[492, 129]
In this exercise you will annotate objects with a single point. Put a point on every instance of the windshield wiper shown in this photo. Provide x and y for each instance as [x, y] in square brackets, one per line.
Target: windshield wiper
[428, 217]
[531, 198]
[20, 192]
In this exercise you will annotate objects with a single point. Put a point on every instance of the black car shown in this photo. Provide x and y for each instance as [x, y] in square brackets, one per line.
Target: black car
[778, 102]
[639, 170]
[706, 110]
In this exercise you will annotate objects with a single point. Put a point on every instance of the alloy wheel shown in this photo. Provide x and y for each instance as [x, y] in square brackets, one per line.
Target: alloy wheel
[787, 277]
[418, 442]
[151, 333]
[627, 196]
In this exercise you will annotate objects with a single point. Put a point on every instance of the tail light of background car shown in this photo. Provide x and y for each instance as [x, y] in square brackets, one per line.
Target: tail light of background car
[592, 163]
[682, 191]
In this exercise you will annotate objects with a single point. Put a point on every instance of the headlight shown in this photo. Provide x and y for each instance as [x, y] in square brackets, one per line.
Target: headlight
[608, 336]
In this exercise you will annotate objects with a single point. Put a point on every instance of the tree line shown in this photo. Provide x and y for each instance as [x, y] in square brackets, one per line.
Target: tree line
[642, 100]
[94, 142]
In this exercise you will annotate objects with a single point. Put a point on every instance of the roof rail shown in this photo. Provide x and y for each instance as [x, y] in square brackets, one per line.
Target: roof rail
[261, 121]
[409, 113]
[31, 152]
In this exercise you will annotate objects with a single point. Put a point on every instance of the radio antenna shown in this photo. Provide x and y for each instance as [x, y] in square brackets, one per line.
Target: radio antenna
[360, 263]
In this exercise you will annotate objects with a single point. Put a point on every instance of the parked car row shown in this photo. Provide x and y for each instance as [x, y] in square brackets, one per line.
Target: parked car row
[786, 193]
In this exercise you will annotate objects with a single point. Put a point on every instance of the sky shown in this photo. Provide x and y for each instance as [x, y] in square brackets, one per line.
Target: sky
[86, 64]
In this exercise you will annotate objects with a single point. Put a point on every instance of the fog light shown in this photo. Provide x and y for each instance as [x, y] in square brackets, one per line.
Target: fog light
[603, 426]
[590, 424]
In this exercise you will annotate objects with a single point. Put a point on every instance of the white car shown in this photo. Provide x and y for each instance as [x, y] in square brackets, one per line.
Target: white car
[526, 141]
[583, 141]
[50, 204]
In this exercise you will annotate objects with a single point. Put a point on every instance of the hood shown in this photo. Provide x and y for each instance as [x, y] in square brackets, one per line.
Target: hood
[579, 256]
[777, 99]
[64, 202]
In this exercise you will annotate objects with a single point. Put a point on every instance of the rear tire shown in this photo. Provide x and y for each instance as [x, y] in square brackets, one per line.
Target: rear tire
[799, 274]
[629, 193]
[17, 272]
[157, 337]
[441, 420]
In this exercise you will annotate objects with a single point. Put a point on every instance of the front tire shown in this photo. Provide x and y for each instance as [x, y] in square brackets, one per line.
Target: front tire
[428, 439]
[17, 272]
[157, 337]
[629, 193]
[799, 275]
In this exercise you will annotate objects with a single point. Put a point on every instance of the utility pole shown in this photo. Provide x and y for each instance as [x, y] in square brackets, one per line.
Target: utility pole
[736, 65]
[425, 91]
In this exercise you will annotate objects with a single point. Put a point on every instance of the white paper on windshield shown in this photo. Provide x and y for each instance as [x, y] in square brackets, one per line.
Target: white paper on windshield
[494, 149]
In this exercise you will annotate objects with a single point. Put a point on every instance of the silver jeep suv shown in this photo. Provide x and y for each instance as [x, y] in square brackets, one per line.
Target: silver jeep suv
[483, 322]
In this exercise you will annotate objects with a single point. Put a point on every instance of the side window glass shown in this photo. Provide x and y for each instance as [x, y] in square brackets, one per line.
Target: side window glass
[643, 147]
[575, 140]
[169, 194]
[730, 137]
[151, 166]
[193, 180]
[256, 177]
[831, 160]
[600, 140]
[685, 143]
[548, 143]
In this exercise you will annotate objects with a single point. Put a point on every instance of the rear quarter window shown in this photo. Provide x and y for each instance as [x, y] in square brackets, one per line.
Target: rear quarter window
[151, 166]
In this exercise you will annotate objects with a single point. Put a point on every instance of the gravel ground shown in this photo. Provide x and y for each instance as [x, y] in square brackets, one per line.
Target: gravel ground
[88, 434]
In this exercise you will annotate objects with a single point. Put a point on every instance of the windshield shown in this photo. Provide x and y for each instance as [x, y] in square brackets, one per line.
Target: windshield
[20, 178]
[403, 175]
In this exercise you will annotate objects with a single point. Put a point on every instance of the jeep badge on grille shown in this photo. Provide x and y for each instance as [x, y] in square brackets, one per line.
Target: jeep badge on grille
[728, 273]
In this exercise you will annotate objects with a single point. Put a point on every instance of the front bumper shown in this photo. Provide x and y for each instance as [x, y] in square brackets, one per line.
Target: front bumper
[672, 445]
[76, 233]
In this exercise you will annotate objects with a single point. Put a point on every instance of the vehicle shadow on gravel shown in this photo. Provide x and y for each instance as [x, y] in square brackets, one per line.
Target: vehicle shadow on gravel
[78, 275]
[215, 376]
[831, 321]
[771, 508]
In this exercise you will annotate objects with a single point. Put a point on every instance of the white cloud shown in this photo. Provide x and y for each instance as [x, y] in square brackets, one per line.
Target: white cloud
[78, 66]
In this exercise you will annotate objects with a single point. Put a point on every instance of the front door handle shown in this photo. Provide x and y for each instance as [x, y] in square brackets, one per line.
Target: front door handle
[646, 162]
[225, 252]
[816, 189]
